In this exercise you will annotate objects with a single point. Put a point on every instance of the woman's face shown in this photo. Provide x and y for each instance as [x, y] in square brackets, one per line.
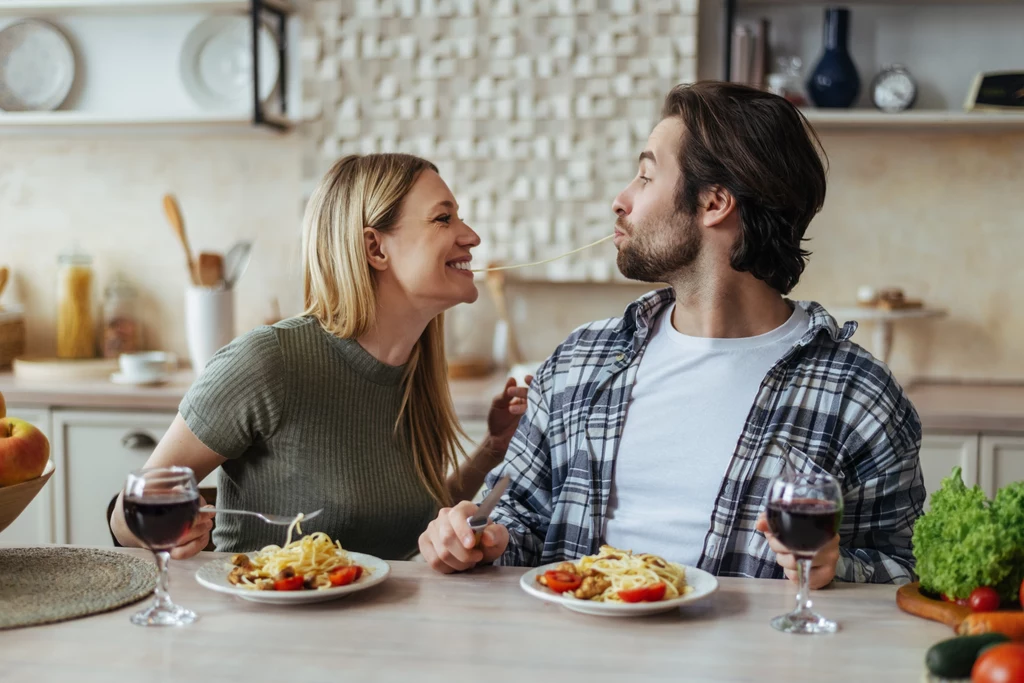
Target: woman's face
[427, 254]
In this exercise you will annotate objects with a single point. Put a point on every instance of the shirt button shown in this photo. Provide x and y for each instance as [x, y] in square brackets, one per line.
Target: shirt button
[620, 357]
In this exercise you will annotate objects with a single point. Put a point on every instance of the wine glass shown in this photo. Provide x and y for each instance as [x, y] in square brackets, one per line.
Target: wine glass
[804, 512]
[160, 506]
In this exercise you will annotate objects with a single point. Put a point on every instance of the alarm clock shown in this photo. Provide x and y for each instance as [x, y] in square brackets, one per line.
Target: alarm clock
[894, 89]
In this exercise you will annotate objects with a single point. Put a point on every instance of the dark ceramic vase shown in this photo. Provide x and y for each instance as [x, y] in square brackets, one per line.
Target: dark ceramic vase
[834, 83]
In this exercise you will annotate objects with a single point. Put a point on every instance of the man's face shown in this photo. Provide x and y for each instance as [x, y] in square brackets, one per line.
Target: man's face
[655, 241]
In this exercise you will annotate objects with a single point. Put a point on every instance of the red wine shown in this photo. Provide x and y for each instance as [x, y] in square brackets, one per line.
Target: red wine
[161, 520]
[804, 525]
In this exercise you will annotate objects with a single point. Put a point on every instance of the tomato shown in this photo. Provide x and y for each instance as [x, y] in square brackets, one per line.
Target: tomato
[343, 576]
[984, 599]
[652, 593]
[561, 582]
[959, 601]
[292, 583]
[1001, 664]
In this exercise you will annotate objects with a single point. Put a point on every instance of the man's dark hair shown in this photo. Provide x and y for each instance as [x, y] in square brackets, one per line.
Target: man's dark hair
[761, 149]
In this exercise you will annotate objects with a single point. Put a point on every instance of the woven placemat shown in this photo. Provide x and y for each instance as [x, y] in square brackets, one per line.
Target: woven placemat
[51, 584]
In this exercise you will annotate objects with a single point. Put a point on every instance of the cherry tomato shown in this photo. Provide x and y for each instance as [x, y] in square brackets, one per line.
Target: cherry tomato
[343, 576]
[292, 583]
[1001, 664]
[652, 593]
[984, 599]
[561, 582]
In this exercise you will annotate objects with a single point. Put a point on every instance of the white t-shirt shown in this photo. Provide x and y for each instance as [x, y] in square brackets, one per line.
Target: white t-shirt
[688, 407]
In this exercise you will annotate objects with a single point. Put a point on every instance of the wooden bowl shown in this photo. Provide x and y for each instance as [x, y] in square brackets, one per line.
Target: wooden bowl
[14, 499]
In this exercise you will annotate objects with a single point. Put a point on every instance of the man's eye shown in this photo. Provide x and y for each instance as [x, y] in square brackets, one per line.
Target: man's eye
[644, 180]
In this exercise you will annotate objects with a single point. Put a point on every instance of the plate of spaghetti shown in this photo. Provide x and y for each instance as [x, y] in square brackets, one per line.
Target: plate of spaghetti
[619, 583]
[311, 569]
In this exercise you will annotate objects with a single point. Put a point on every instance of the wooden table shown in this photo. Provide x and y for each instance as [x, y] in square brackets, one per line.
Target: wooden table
[421, 626]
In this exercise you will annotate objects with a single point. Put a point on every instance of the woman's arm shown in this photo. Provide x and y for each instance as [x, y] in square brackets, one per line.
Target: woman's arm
[502, 422]
[181, 448]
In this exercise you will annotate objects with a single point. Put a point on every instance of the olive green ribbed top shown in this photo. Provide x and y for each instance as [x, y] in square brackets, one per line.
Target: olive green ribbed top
[307, 421]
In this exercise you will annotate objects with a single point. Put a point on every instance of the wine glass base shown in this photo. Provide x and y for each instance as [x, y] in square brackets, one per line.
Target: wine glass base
[804, 622]
[164, 616]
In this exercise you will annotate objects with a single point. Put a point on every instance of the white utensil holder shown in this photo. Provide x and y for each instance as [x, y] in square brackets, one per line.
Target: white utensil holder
[209, 323]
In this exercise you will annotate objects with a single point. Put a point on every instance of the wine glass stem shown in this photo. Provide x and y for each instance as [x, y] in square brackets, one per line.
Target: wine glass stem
[163, 599]
[803, 596]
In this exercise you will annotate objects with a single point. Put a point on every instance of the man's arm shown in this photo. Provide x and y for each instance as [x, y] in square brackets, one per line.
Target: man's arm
[884, 496]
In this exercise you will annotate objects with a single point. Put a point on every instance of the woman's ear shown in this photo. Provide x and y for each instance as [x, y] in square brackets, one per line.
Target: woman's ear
[718, 204]
[374, 246]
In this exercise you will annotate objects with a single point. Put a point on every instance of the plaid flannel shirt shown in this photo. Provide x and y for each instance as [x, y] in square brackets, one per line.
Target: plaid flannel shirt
[827, 397]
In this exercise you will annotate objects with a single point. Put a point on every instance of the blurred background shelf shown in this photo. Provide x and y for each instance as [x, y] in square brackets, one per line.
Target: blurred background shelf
[914, 119]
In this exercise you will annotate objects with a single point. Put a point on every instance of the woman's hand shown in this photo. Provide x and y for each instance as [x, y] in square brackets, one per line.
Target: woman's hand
[503, 417]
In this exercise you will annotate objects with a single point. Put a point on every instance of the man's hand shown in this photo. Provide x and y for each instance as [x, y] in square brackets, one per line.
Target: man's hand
[823, 566]
[448, 545]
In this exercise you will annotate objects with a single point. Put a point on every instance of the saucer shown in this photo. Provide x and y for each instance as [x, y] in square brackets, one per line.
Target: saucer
[139, 380]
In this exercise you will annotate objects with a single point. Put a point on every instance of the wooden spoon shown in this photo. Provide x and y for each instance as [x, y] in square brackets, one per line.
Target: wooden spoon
[174, 217]
[210, 271]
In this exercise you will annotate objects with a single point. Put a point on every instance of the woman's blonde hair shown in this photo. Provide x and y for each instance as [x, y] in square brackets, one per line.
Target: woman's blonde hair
[362, 191]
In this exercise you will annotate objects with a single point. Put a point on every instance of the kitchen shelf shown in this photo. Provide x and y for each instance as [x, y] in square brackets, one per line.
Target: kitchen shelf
[885, 3]
[915, 120]
[27, 8]
[11, 122]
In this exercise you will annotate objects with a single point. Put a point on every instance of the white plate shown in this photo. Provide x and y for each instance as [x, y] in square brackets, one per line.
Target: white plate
[138, 380]
[37, 67]
[216, 63]
[214, 575]
[703, 584]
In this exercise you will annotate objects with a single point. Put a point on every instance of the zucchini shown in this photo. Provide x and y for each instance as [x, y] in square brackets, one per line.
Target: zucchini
[955, 657]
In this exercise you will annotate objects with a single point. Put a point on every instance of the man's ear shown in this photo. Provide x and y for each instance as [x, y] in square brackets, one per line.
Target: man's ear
[374, 247]
[718, 204]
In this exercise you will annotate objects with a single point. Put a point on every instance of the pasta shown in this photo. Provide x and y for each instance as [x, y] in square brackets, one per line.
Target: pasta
[615, 575]
[313, 562]
[540, 263]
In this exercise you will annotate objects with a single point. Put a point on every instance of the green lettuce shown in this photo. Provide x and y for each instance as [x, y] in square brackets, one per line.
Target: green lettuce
[966, 541]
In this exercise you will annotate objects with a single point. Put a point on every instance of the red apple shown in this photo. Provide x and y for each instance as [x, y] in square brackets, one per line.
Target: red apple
[24, 451]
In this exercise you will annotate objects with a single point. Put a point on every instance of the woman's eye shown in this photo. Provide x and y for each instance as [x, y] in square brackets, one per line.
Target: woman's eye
[444, 218]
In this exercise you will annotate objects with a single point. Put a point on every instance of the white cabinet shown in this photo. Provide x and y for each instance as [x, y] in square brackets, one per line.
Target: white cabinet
[940, 453]
[1001, 462]
[98, 450]
[35, 524]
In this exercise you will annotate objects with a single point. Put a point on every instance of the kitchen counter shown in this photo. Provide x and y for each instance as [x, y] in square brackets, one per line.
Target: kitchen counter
[943, 406]
[472, 397]
[478, 626]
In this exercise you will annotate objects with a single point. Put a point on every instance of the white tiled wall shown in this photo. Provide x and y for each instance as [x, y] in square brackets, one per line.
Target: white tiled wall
[534, 110]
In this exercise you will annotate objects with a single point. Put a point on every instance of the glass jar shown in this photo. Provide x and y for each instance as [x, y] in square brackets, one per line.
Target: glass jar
[76, 334]
[121, 326]
[787, 80]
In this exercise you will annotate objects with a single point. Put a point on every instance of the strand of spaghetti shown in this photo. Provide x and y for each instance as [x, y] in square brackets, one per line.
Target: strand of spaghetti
[292, 527]
[540, 263]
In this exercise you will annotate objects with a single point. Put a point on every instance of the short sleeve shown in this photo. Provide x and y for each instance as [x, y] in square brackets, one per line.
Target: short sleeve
[239, 397]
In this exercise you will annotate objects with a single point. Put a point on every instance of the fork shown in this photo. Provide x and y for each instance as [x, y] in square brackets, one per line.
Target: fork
[283, 520]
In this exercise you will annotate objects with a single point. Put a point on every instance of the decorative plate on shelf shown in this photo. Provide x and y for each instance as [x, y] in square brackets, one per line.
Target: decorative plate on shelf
[37, 67]
[216, 63]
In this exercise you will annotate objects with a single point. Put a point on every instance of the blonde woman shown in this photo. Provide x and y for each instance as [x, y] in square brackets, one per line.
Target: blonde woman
[346, 407]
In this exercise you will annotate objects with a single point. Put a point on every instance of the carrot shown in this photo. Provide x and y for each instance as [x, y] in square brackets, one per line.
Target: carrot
[1007, 623]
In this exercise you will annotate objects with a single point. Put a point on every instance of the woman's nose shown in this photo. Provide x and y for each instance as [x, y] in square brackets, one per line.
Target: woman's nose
[469, 237]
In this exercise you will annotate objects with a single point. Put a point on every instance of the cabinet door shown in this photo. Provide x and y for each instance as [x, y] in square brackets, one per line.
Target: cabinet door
[1002, 462]
[940, 453]
[35, 524]
[98, 450]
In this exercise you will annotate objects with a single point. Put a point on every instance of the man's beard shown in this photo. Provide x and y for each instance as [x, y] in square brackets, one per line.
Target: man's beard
[658, 249]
